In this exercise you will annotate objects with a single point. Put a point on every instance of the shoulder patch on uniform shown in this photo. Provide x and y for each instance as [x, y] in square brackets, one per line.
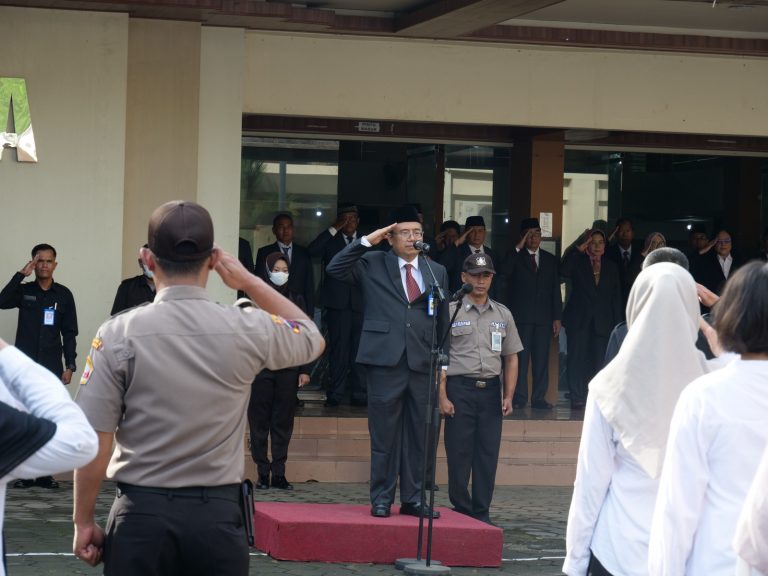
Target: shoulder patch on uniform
[280, 321]
[87, 371]
[97, 343]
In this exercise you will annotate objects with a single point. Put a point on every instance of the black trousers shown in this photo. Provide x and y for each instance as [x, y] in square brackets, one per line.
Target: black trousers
[597, 569]
[397, 400]
[472, 440]
[535, 339]
[182, 532]
[270, 416]
[344, 327]
[586, 355]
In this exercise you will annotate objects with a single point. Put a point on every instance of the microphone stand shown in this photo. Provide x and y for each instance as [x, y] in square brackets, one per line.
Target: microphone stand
[431, 432]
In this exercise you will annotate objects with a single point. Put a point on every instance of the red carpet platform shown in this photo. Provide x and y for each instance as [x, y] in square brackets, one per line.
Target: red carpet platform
[348, 533]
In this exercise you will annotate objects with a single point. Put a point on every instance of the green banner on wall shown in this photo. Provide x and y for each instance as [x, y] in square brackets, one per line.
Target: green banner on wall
[13, 97]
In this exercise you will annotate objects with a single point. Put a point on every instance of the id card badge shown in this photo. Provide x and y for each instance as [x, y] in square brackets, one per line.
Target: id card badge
[49, 315]
[495, 341]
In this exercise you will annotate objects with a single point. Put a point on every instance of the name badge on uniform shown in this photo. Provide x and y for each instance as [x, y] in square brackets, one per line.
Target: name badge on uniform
[495, 341]
[49, 315]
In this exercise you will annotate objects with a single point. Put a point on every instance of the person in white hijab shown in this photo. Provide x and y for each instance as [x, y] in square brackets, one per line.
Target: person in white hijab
[626, 423]
[751, 540]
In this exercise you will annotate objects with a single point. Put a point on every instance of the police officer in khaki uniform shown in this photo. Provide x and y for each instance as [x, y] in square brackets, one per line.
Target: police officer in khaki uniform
[484, 347]
[169, 382]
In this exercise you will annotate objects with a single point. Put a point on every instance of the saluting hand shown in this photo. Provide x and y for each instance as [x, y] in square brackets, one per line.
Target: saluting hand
[585, 243]
[523, 239]
[379, 235]
[231, 270]
[29, 266]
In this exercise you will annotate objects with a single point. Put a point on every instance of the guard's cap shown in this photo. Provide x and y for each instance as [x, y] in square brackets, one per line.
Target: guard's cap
[527, 223]
[476, 263]
[405, 213]
[474, 221]
[180, 231]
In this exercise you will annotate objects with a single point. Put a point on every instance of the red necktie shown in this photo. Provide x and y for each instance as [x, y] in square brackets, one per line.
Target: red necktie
[411, 285]
[533, 262]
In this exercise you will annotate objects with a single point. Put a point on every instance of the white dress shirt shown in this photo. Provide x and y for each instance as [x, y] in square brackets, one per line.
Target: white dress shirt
[611, 491]
[725, 264]
[29, 387]
[717, 436]
[286, 249]
[415, 272]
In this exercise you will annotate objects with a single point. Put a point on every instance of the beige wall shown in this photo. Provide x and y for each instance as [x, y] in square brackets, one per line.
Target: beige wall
[515, 85]
[162, 124]
[220, 127]
[75, 67]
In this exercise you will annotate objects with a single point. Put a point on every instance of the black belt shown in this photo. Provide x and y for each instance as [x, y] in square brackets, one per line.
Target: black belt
[229, 492]
[479, 382]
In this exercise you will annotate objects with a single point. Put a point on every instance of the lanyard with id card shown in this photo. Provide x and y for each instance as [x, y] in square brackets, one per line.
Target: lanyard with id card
[495, 340]
[49, 316]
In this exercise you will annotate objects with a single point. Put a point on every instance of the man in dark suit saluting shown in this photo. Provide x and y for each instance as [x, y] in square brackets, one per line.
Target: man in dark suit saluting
[533, 289]
[395, 347]
[342, 311]
[300, 280]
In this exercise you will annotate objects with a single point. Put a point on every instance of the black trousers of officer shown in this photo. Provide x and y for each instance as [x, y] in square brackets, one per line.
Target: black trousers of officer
[270, 416]
[176, 532]
[535, 339]
[344, 327]
[397, 400]
[472, 440]
[586, 355]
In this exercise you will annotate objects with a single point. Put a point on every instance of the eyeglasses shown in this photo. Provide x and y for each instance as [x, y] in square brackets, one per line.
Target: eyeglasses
[409, 233]
[724, 241]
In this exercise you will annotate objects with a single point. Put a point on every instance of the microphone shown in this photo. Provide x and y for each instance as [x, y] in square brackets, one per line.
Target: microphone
[465, 289]
[421, 246]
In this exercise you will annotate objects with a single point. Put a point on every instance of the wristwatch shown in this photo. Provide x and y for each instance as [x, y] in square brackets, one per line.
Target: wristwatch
[72, 367]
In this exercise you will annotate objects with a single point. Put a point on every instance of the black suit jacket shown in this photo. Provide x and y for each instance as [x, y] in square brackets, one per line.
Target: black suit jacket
[453, 259]
[706, 270]
[626, 275]
[391, 325]
[533, 295]
[588, 302]
[300, 279]
[334, 293]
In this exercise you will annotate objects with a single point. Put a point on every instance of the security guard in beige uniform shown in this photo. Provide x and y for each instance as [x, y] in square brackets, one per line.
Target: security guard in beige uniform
[169, 382]
[483, 334]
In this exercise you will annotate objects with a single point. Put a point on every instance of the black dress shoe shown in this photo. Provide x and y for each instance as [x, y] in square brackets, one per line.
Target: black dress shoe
[263, 483]
[435, 487]
[23, 484]
[380, 511]
[281, 483]
[542, 405]
[413, 510]
[47, 482]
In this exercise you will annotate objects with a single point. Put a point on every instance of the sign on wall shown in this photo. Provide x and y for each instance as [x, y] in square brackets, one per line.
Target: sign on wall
[13, 97]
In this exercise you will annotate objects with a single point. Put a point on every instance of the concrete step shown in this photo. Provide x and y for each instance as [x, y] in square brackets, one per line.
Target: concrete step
[532, 452]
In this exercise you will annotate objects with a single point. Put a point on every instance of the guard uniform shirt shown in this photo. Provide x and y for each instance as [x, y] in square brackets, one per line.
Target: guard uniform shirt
[471, 338]
[172, 380]
[43, 343]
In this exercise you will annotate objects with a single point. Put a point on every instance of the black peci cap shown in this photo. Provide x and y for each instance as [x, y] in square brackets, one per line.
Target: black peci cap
[527, 223]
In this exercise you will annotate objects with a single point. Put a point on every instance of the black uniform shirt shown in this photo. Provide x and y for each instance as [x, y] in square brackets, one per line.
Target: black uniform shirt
[43, 343]
[132, 292]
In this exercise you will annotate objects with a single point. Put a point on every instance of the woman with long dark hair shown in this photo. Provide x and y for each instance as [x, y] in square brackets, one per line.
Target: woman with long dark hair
[272, 406]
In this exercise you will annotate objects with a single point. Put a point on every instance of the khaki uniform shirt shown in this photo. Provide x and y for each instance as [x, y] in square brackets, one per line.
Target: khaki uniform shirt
[471, 339]
[173, 378]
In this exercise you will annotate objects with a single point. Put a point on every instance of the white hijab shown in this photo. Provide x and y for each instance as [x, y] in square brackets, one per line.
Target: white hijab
[637, 391]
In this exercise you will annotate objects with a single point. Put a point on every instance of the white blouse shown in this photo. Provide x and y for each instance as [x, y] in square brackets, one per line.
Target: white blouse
[612, 504]
[28, 386]
[718, 433]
